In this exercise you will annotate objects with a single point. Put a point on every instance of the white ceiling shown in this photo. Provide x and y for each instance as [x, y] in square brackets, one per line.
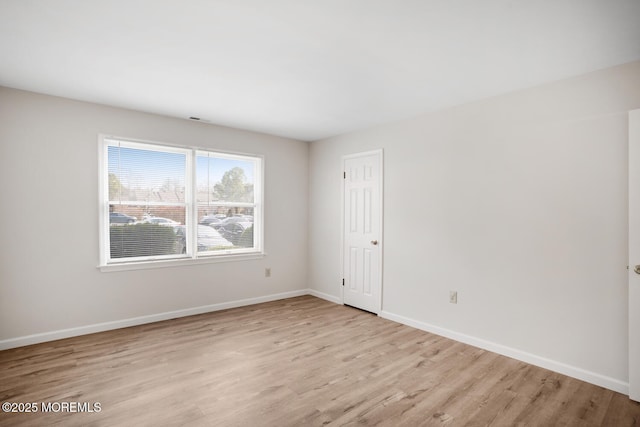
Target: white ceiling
[305, 69]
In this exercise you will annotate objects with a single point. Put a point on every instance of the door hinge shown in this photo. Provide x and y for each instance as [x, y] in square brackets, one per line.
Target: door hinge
[344, 175]
[342, 282]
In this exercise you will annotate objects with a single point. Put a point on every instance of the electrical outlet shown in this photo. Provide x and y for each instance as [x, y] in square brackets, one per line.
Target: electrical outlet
[267, 272]
[453, 297]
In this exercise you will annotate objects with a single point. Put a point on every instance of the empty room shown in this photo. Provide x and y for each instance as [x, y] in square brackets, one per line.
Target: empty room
[306, 213]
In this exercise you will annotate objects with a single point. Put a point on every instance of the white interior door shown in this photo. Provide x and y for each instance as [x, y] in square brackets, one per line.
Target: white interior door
[362, 231]
[634, 255]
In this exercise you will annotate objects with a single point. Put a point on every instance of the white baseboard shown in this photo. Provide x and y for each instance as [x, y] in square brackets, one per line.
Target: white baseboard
[324, 296]
[552, 365]
[562, 368]
[117, 324]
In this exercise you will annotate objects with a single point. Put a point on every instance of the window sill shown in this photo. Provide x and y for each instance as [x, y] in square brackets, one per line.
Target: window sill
[145, 265]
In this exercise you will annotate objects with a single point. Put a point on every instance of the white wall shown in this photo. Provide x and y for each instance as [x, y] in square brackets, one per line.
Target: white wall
[519, 203]
[49, 280]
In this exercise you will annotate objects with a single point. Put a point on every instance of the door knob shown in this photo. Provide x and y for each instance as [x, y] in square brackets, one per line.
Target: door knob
[637, 269]
[375, 242]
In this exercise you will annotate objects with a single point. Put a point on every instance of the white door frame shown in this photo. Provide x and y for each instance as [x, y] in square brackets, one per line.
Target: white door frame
[380, 153]
[634, 255]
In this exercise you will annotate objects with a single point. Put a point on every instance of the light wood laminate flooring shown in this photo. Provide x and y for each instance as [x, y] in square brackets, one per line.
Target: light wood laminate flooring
[296, 362]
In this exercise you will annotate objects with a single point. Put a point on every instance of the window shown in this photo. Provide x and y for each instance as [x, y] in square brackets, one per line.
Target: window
[161, 202]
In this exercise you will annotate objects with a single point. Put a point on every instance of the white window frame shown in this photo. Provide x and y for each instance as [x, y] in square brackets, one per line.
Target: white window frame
[191, 206]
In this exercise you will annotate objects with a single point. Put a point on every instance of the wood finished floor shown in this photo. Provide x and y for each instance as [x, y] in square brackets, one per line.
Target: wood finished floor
[296, 362]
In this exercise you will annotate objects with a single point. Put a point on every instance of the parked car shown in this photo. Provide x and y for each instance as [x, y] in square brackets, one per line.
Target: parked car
[237, 218]
[233, 231]
[120, 218]
[211, 220]
[208, 239]
[161, 221]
